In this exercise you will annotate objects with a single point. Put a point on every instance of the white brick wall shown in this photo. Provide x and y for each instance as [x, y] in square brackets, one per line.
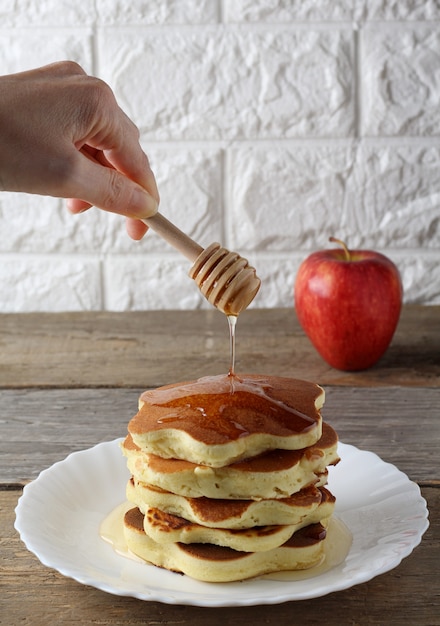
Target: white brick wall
[270, 124]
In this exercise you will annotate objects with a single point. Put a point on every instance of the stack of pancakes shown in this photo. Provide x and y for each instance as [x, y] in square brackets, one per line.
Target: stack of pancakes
[228, 476]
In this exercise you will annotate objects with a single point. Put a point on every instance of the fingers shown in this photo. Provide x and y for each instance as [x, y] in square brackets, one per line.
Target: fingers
[77, 206]
[112, 140]
[60, 69]
[128, 157]
[107, 189]
[63, 68]
[135, 228]
[116, 144]
[134, 163]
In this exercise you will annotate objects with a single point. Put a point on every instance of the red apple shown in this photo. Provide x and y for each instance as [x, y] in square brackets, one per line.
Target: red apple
[348, 302]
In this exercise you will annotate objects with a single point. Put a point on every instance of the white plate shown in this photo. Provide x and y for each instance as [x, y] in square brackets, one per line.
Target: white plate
[59, 515]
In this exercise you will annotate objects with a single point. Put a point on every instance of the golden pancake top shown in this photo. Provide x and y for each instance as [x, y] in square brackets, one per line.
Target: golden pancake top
[216, 410]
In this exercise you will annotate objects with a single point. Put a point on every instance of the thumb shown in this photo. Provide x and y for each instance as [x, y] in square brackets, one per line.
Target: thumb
[93, 184]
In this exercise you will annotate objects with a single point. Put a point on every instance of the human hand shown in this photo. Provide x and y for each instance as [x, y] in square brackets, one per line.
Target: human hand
[63, 134]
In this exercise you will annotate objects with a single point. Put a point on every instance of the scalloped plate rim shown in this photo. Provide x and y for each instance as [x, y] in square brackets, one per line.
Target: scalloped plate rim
[245, 593]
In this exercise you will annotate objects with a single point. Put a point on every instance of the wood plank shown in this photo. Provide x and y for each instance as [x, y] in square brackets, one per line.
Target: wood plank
[408, 594]
[147, 349]
[41, 426]
[50, 364]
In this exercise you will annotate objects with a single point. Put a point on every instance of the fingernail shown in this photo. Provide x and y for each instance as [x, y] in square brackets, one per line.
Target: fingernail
[142, 204]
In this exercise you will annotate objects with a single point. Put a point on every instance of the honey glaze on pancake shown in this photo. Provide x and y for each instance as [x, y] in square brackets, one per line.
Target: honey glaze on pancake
[219, 409]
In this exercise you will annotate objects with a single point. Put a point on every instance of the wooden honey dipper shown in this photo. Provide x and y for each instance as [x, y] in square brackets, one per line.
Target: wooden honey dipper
[225, 278]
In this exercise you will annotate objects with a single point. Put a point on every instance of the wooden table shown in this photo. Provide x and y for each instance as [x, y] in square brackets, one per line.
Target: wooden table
[68, 381]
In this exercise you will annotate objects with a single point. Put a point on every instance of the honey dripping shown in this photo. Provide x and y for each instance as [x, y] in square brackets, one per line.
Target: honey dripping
[206, 404]
[232, 322]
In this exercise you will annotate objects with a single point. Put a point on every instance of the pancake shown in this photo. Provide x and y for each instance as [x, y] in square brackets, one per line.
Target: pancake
[166, 528]
[222, 513]
[274, 474]
[228, 475]
[212, 563]
[218, 420]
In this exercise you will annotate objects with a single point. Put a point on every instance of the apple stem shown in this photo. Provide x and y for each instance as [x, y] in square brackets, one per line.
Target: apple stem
[344, 246]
